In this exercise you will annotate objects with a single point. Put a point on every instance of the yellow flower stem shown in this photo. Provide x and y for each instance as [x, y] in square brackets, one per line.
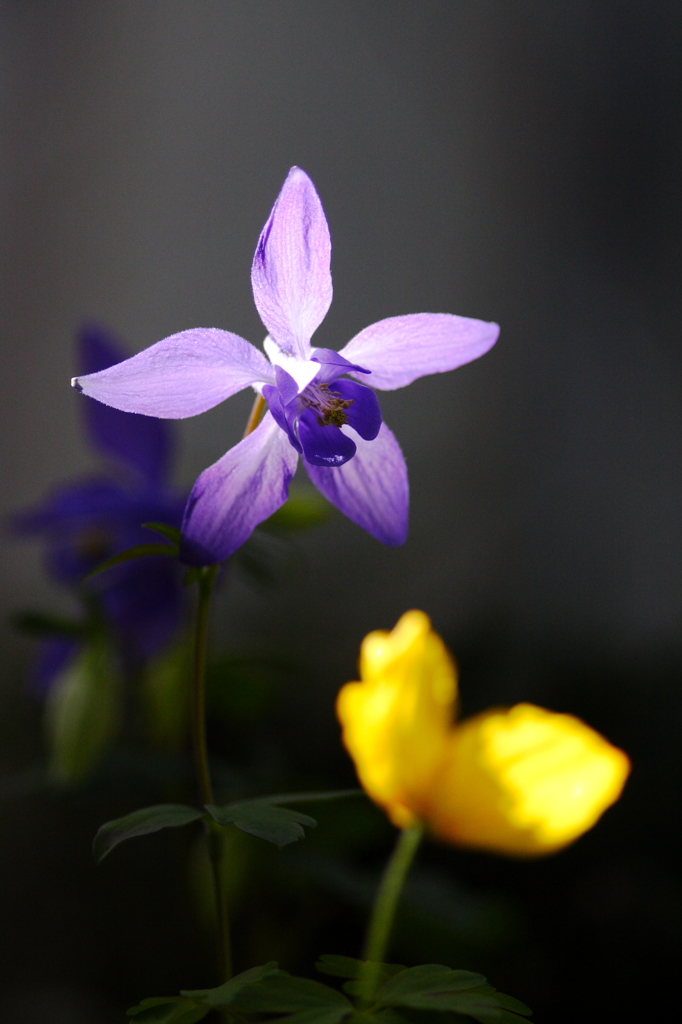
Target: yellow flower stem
[214, 837]
[385, 906]
[254, 419]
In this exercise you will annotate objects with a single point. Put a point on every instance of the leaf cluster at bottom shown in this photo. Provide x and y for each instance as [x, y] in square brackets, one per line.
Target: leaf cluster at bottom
[428, 994]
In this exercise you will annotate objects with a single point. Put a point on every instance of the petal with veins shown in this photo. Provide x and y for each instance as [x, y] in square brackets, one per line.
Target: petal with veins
[290, 276]
[141, 443]
[236, 493]
[180, 376]
[402, 348]
[372, 488]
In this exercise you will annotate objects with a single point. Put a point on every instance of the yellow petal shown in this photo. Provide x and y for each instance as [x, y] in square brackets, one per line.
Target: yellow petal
[396, 721]
[524, 781]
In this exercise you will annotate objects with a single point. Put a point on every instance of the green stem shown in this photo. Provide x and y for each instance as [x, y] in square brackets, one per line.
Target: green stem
[203, 776]
[214, 837]
[385, 906]
[216, 845]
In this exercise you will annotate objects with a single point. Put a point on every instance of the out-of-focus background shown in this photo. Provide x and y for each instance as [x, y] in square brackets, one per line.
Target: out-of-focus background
[512, 161]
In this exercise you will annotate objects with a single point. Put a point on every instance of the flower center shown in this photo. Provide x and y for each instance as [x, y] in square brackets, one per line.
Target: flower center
[329, 405]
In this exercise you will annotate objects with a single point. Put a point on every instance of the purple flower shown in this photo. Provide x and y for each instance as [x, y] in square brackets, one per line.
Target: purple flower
[87, 521]
[320, 404]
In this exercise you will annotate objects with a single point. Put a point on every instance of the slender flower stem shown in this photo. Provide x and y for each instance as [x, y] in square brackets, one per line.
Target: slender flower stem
[385, 906]
[216, 847]
[255, 415]
[214, 833]
[203, 776]
[214, 837]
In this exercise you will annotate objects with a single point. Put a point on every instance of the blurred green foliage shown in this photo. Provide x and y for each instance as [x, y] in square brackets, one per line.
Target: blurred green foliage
[83, 711]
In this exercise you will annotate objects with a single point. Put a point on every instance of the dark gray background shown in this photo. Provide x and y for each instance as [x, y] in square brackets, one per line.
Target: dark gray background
[512, 161]
[507, 161]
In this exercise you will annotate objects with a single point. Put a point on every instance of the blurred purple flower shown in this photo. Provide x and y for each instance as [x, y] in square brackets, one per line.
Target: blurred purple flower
[315, 410]
[85, 522]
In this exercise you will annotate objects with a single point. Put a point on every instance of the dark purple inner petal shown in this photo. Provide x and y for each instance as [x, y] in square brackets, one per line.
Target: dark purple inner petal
[364, 415]
[328, 357]
[272, 397]
[323, 445]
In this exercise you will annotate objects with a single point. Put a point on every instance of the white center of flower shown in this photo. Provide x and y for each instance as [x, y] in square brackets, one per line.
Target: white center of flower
[302, 370]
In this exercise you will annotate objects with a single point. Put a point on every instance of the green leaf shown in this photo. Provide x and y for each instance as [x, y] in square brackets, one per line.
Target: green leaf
[168, 1010]
[486, 1007]
[83, 711]
[224, 995]
[319, 1015]
[171, 533]
[509, 1003]
[393, 1015]
[266, 990]
[358, 971]
[157, 1000]
[349, 967]
[281, 993]
[142, 823]
[278, 825]
[339, 966]
[311, 798]
[429, 986]
[41, 624]
[139, 551]
[433, 987]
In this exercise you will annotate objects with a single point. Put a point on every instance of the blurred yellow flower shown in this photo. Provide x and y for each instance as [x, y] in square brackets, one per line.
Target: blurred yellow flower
[396, 722]
[523, 781]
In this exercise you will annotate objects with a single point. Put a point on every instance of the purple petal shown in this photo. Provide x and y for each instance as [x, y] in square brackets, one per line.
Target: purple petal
[71, 505]
[334, 364]
[402, 348]
[286, 385]
[371, 489]
[141, 443]
[290, 276]
[364, 415]
[86, 522]
[235, 494]
[272, 397]
[180, 376]
[323, 445]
